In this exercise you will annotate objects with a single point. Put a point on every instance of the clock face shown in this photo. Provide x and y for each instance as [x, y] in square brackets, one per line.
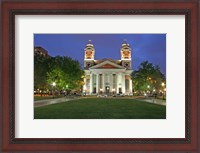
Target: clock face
[89, 53]
[126, 53]
[89, 64]
[126, 64]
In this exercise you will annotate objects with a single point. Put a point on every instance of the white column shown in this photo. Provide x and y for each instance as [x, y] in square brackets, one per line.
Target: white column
[91, 86]
[103, 82]
[111, 82]
[84, 86]
[131, 87]
[119, 81]
[123, 84]
[97, 83]
[117, 88]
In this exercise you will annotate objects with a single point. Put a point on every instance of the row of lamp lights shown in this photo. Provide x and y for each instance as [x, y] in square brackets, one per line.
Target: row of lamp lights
[53, 85]
[164, 89]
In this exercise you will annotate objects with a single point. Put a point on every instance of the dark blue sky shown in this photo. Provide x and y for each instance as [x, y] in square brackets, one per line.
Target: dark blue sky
[151, 47]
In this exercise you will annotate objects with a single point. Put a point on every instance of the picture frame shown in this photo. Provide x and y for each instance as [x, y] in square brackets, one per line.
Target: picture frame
[188, 144]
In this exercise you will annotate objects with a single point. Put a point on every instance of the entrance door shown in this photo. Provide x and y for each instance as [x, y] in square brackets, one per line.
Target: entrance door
[120, 90]
[94, 90]
[107, 89]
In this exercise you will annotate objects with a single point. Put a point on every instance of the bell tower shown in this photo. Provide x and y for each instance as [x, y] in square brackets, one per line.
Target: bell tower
[126, 54]
[89, 55]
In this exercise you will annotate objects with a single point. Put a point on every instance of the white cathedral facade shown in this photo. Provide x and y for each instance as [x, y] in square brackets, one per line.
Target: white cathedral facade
[107, 76]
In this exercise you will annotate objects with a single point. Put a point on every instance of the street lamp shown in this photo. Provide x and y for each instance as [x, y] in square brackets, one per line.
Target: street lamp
[163, 84]
[53, 85]
[154, 93]
[148, 86]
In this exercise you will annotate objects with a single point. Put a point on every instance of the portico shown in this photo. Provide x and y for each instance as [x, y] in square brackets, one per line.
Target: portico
[100, 83]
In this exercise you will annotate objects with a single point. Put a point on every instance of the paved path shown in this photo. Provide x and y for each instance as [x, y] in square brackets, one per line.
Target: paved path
[45, 102]
[40, 103]
[148, 99]
[153, 100]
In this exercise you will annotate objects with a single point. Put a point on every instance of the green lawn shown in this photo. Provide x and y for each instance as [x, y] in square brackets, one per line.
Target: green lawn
[101, 108]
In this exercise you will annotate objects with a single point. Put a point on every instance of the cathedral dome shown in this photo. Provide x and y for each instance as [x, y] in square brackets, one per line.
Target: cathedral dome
[89, 44]
[125, 43]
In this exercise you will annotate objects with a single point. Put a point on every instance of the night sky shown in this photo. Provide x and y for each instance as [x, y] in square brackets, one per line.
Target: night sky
[151, 47]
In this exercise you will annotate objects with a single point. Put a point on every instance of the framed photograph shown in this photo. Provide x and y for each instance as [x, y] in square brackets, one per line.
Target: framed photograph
[103, 84]
[100, 76]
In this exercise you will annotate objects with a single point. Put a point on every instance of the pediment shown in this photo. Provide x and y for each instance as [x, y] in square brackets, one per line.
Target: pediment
[107, 65]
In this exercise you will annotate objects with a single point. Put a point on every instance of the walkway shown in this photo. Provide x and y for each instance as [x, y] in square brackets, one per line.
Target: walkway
[153, 100]
[45, 102]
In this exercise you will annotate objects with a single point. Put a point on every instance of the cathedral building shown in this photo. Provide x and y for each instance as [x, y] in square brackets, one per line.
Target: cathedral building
[107, 76]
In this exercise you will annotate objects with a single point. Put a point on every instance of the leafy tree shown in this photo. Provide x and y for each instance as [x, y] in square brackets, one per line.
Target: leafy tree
[147, 78]
[41, 67]
[56, 76]
[64, 71]
[67, 74]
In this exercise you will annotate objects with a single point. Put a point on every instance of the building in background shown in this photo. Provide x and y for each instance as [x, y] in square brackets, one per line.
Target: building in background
[107, 76]
[40, 51]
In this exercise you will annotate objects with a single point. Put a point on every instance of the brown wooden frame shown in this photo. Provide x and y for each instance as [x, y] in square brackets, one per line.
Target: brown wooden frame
[188, 144]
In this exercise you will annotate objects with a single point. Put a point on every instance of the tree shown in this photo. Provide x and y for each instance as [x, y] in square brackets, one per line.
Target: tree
[64, 71]
[42, 65]
[56, 76]
[67, 74]
[147, 78]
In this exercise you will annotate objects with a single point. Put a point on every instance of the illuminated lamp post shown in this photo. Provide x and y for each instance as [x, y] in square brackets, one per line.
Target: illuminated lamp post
[163, 84]
[154, 93]
[148, 89]
[53, 85]
[165, 92]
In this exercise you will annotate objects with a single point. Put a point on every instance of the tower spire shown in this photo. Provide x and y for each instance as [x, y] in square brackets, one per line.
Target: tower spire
[89, 51]
[125, 41]
[126, 54]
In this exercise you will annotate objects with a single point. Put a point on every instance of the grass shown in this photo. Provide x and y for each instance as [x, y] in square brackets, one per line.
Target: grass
[101, 108]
